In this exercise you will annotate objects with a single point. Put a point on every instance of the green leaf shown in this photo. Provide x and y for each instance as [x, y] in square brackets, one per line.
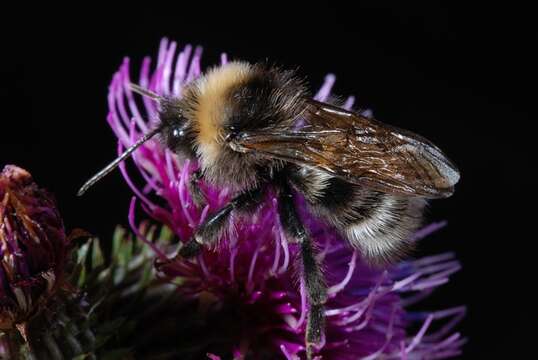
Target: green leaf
[98, 259]
[166, 235]
[117, 354]
[86, 356]
[117, 239]
[82, 252]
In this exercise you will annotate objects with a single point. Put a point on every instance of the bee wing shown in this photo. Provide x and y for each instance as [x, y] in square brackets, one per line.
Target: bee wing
[359, 150]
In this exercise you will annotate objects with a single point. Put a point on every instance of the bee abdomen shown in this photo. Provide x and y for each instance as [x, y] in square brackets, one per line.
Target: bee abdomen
[384, 236]
[380, 225]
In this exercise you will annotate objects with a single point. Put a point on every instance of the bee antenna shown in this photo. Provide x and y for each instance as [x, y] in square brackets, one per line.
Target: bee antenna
[101, 174]
[144, 92]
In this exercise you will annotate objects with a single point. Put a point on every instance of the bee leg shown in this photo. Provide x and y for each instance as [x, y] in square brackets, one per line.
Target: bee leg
[210, 230]
[197, 195]
[311, 271]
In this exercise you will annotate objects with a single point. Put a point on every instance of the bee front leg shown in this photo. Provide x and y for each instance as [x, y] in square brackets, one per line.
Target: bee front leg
[197, 195]
[210, 230]
[311, 271]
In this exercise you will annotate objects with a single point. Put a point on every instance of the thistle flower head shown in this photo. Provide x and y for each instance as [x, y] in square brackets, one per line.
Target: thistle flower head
[32, 244]
[253, 304]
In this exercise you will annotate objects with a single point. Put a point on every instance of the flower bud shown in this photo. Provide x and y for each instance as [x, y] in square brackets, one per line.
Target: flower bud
[33, 246]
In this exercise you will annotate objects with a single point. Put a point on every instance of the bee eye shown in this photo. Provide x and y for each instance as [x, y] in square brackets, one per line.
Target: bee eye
[178, 133]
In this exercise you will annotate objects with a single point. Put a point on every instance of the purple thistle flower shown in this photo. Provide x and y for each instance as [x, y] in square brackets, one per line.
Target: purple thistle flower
[250, 279]
[33, 248]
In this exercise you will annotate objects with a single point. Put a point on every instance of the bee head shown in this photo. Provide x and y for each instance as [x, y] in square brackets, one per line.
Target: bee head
[176, 128]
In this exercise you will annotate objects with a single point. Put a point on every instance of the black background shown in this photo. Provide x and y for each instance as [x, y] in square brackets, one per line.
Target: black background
[462, 76]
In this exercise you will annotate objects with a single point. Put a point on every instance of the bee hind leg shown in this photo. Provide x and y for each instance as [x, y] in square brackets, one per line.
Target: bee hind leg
[311, 270]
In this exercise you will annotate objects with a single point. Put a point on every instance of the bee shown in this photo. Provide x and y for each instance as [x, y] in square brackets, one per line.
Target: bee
[254, 127]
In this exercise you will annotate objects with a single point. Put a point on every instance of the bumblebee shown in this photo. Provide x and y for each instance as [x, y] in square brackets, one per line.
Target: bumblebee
[254, 127]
